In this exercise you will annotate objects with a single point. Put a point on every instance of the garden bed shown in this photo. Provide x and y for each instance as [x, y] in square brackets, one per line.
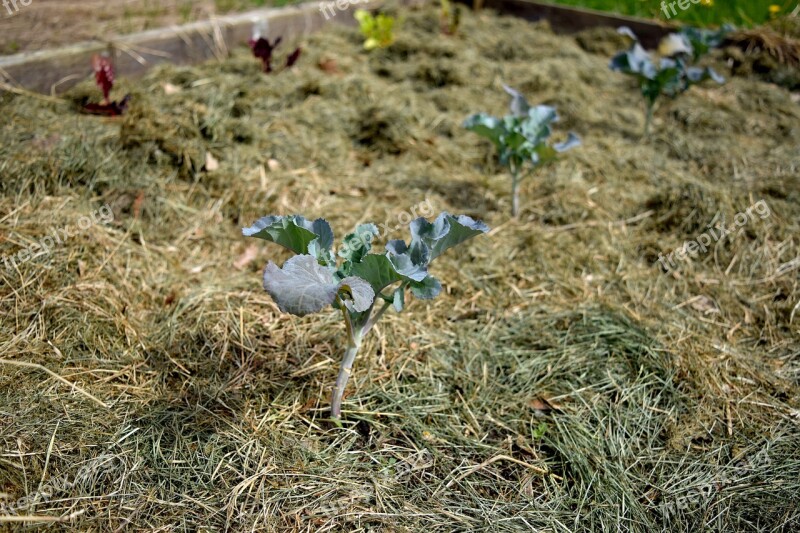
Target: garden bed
[563, 380]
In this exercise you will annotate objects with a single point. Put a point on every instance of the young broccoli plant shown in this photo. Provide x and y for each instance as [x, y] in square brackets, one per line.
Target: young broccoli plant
[670, 76]
[353, 280]
[521, 139]
[378, 30]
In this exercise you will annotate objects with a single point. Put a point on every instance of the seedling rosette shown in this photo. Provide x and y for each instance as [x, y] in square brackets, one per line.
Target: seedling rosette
[361, 285]
[670, 76]
[521, 138]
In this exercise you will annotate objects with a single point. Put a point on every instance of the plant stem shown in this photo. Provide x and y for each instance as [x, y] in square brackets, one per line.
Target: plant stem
[514, 192]
[353, 343]
[344, 376]
[648, 119]
[374, 318]
[355, 333]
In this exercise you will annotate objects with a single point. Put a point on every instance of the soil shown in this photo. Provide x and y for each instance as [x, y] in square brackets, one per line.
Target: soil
[566, 378]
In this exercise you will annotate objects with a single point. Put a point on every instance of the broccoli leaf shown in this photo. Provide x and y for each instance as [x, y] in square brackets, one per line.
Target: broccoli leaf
[427, 289]
[445, 232]
[519, 105]
[295, 233]
[378, 271]
[356, 293]
[487, 126]
[410, 263]
[697, 75]
[358, 244]
[702, 40]
[626, 31]
[404, 265]
[634, 61]
[399, 299]
[571, 142]
[303, 286]
[536, 129]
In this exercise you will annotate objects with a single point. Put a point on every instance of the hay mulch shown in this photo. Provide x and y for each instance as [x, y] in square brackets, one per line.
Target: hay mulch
[564, 381]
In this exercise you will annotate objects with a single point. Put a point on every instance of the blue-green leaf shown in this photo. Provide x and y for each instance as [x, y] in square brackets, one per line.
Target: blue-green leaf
[571, 142]
[445, 232]
[519, 105]
[487, 126]
[427, 289]
[377, 270]
[293, 232]
[304, 286]
[358, 244]
[399, 299]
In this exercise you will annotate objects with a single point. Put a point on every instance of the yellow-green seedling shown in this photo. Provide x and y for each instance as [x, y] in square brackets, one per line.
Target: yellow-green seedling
[378, 30]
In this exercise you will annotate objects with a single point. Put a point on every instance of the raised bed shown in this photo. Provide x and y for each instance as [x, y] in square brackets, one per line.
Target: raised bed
[54, 71]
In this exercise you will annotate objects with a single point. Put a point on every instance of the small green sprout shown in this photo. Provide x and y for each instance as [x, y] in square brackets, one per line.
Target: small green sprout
[353, 280]
[378, 30]
[521, 139]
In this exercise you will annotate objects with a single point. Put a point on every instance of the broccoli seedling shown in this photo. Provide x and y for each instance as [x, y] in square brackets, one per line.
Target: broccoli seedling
[521, 139]
[670, 76]
[351, 279]
[378, 30]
